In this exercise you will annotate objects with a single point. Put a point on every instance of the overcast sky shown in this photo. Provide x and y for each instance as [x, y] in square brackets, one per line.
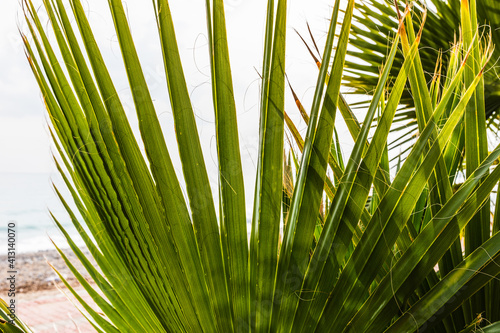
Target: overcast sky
[24, 140]
[24, 143]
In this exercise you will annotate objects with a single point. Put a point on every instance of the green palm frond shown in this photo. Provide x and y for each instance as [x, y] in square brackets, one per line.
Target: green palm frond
[337, 243]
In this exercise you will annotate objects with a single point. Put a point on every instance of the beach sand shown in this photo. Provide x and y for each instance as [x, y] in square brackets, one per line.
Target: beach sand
[39, 302]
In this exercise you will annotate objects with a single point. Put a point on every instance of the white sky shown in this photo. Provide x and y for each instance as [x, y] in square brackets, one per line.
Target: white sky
[24, 140]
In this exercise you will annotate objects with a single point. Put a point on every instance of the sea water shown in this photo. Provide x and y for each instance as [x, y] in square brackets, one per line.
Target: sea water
[26, 199]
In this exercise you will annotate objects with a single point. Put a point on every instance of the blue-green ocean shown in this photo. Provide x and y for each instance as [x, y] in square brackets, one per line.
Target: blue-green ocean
[25, 199]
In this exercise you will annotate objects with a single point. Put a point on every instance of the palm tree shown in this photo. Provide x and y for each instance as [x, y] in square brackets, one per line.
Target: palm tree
[358, 251]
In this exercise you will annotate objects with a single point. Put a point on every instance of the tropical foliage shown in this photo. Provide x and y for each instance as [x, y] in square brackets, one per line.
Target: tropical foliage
[375, 25]
[334, 246]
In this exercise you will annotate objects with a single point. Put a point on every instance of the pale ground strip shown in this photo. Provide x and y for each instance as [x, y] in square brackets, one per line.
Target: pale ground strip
[50, 311]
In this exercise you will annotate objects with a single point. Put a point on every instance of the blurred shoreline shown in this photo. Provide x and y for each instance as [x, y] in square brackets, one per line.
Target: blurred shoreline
[33, 272]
